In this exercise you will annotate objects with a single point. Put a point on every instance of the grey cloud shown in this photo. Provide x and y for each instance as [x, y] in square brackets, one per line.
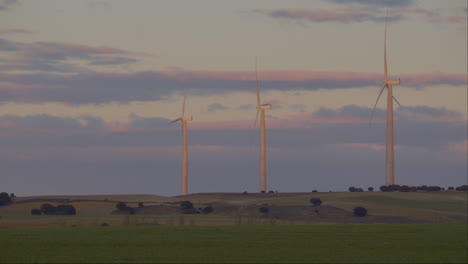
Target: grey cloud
[339, 16]
[53, 56]
[98, 88]
[6, 5]
[298, 108]
[384, 3]
[113, 60]
[216, 107]
[246, 107]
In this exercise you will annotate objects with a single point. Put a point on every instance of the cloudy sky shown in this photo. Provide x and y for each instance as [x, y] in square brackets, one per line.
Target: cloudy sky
[87, 89]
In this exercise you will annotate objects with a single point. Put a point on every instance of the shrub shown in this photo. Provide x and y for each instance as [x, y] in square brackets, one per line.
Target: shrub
[207, 210]
[245, 192]
[451, 188]
[64, 209]
[315, 201]
[140, 204]
[360, 211]
[263, 210]
[48, 209]
[186, 205]
[385, 188]
[370, 189]
[314, 190]
[262, 191]
[353, 189]
[121, 206]
[462, 188]
[36, 212]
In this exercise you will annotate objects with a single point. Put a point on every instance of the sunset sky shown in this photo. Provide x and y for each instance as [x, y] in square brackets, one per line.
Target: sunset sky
[87, 89]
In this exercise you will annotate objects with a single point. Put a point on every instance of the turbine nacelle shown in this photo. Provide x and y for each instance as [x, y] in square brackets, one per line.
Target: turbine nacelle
[390, 82]
[264, 106]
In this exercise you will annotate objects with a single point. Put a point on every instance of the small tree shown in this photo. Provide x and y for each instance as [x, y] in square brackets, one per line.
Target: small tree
[36, 212]
[315, 201]
[186, 205]
[370, 189]
[360, 211]
[5, 198]
[12, 195]
[121, 206]
[264, 210]
[140, 204]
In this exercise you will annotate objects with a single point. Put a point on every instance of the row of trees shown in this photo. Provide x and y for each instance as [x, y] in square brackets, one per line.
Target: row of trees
[188, 208]
[406, 188]
[48, 209]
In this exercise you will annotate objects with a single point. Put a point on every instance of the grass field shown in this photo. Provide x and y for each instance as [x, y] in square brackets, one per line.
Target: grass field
[320, 243]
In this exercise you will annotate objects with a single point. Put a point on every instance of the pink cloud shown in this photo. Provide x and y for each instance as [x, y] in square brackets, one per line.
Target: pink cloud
[205, 147]
[376, 147]
[450, 19]
[416, 80]
[461, 147]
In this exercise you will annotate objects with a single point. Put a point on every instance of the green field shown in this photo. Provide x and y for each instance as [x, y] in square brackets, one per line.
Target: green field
[319, 243]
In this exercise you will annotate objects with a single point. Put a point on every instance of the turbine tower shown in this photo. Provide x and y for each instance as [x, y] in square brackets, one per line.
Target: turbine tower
[183, 125]
[389, 161]
[262, 155]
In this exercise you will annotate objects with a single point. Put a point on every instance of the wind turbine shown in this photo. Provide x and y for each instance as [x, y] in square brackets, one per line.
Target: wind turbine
[183, 125]
[389, 161]
[262, 155]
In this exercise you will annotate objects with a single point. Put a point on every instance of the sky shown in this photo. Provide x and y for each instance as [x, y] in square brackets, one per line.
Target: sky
[87, 89]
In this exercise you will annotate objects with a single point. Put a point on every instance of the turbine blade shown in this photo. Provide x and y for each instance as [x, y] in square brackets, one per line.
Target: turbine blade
[183, 107]
[175, 120]
[396, 100]
[256, 80]
[256, 118]
[373, 110]
[385, 48]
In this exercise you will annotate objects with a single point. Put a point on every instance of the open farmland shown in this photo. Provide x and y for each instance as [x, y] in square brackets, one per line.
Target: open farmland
[322, 243]
[238, 208]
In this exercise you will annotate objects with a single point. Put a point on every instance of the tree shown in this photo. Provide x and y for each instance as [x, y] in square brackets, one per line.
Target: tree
[186, 205]
[5, 198]
[36, 212]
[140, 204]
[315, 201]
[360, 211]
[12, 195]
[65, 209]
[370, 189]
[264, 210]
[462, 188]
[121, 206]
[48, 209]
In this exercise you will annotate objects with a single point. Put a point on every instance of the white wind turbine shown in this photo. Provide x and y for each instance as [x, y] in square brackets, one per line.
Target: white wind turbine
[262, 155]
[389, 161]
[183, 125]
